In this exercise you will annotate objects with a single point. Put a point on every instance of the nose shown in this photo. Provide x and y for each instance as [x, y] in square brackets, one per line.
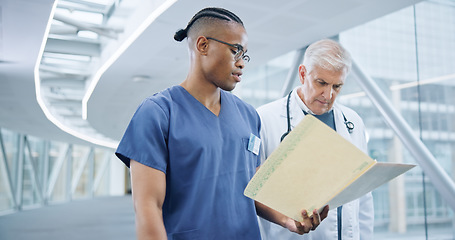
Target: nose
[328, 92]
[240, 63]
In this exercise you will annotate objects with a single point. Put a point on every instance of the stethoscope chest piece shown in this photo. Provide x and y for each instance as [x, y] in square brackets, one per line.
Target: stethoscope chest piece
[349, 126]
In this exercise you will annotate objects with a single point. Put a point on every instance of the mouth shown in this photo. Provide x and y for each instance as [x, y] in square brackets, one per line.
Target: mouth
[323, 102]
[237, 76]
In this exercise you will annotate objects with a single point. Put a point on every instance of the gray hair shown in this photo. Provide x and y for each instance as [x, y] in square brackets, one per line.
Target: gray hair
[327, 54]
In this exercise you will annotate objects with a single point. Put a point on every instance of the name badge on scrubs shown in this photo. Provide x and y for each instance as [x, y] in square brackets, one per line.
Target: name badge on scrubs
[254, 144]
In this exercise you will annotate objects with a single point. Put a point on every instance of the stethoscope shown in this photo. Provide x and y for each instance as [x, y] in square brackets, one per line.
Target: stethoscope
[349, 124]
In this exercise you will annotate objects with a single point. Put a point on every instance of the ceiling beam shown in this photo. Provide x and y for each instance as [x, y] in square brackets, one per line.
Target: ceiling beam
[72, 47]
[63, 82]
[101, 30]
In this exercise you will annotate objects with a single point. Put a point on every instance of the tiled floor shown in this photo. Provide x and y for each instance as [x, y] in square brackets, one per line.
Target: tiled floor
[112, 218]
[100, 218]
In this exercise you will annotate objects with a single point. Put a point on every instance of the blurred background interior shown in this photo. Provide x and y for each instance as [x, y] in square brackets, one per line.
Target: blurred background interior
[72, 73]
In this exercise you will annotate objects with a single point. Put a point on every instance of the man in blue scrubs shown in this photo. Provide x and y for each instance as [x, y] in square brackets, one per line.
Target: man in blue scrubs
[188, 147]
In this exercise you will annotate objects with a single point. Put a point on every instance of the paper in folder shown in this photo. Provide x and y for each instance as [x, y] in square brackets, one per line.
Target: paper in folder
[314, 166]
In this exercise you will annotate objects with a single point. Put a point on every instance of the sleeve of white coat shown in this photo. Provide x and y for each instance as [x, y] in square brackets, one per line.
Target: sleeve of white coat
[366, 208]
[366, 217]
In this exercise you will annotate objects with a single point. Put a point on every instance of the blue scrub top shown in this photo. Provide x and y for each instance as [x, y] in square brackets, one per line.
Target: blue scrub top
[206, 161]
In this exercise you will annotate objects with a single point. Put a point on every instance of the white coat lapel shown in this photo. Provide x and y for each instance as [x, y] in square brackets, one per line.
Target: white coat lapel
[283, 113]
[296, 112]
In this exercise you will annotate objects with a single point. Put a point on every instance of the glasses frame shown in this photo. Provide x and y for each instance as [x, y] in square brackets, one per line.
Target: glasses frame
[239, 54]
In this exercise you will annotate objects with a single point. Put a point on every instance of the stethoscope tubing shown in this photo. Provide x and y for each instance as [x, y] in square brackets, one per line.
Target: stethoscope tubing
[349, 125]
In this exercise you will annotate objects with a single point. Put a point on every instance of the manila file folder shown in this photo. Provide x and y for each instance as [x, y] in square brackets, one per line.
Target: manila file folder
[314, 166]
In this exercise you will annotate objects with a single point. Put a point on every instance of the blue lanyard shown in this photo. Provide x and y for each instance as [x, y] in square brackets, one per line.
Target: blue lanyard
[339, 221]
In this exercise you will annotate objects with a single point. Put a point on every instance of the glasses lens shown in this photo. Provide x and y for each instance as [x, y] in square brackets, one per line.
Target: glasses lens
[240, 54]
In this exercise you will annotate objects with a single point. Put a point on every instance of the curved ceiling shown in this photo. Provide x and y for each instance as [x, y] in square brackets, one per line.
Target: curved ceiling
[154, 60]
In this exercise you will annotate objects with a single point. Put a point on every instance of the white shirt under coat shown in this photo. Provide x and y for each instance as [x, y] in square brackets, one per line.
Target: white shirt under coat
[358, 215]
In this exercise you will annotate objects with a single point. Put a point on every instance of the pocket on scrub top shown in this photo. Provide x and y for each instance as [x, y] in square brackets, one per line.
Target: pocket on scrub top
[250, 157]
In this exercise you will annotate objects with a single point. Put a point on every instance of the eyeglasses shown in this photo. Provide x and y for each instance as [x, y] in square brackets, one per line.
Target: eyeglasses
[239, 54]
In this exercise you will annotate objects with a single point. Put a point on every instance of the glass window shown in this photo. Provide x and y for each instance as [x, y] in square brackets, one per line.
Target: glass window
[386, 49]
[82, 178]
[58, 159]
[101, 172]
[6, 201]
[263, 84]
[416, 71]
[52, 172]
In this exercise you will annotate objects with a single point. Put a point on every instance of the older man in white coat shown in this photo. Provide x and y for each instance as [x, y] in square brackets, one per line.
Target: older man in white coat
[322, 74]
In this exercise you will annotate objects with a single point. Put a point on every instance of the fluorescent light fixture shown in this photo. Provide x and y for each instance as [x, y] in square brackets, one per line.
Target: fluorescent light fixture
[87, 34]
[423, 82]
[106, 143]
[141, 78]
[96, 77]
[87, 17]
[104, 2]
[353, 95]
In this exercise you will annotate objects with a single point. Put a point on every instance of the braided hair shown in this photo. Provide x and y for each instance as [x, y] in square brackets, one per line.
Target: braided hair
[217, 13]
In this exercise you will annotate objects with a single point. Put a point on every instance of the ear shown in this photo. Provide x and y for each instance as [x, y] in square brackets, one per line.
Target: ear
[302, 73]
[202, 45]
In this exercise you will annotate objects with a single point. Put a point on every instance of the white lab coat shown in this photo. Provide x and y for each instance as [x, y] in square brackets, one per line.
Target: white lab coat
[358, 215]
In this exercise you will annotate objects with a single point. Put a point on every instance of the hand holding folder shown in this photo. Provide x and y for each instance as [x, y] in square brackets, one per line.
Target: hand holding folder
[313, 167]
